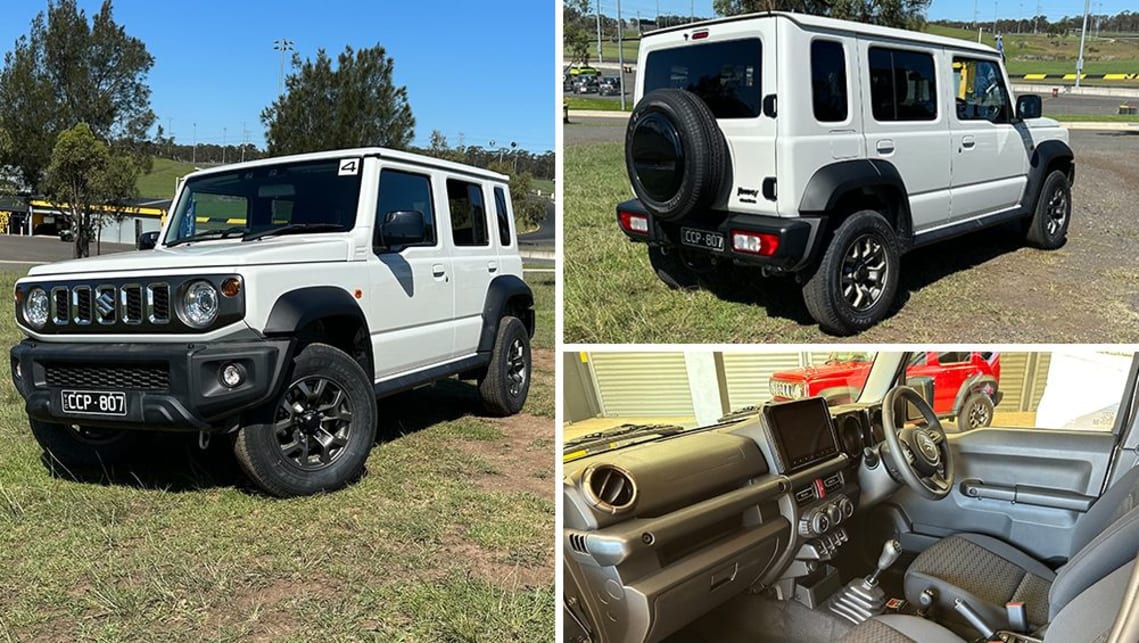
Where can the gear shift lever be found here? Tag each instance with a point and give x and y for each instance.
(862, 599)
(891, 552)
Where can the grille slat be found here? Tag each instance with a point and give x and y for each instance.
(108, 304)
(81, 304)
(159, 298)
(118, 377)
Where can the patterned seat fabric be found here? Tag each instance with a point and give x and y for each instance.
(875, 631)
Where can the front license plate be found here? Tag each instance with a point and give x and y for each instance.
(94, 402)
(702, 239)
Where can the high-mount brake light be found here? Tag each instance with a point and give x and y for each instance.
(700, 35)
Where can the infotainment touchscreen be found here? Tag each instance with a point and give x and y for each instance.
(802, 432)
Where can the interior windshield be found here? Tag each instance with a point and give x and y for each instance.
(318, 194)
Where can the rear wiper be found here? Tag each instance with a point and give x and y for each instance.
(293, 228)
(208, 234)
(624, 432)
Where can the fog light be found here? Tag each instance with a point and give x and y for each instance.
(636, 223)
(754, 243)
(232, 375)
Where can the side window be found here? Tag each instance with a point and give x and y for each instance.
(952, 358)
(980, 91)
(503, 217)
(903, 85)
(468, 213)
(828, 81)
(404, 191)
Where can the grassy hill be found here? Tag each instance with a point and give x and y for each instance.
(161, 180)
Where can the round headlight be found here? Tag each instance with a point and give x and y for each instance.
(199, 304)
(36, 308)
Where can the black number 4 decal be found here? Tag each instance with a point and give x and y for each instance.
(349, 166)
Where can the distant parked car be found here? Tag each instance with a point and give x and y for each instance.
(965, 385)
(609, 87)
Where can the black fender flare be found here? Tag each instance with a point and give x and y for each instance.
(830, 183)
(503, 289)
(1042, 158)
(968, 386)
(298, 308)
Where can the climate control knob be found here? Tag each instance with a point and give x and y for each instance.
(834, 513)
(847, 507)
(820, 523)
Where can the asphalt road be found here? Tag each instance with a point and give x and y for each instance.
(546, 232)
(19, 254)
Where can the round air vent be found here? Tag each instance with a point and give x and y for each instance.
(610, 488)
(850, 433)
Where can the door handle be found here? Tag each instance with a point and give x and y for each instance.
(492, 266)
(438, 271)
(885, 146)
(968, 142)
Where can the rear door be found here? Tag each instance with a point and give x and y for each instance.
(731, 66)
(505, 236)
(1027, 479)
(474, 256)
(905, 123)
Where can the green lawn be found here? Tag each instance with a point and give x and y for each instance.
(1095, 118)
(161, 180)
(545, 185)
(449, 536)
(600, 104)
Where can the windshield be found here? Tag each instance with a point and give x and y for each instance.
(724, 74)
(313, 196)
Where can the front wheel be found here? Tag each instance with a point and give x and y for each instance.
(854, 285)
(1048, 227)
(72, 446)
(318, 432)
(506, 384)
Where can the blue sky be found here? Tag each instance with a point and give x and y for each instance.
(483, 69)
(939, 9)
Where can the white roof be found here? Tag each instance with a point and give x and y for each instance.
(854, 28)
(381, 152)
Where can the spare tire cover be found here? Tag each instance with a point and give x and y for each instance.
(675, 154)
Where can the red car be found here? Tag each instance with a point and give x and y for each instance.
(965, 385)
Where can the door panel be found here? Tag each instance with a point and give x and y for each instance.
(475, 259)
(1074, 462)
(412, 293)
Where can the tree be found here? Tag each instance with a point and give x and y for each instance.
(907, 14)
(529, 209)
(355, 105)
(68, 70)
(84, 172)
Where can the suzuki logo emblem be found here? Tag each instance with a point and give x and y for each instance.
(105, 303)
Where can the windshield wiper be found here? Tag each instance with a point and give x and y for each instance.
(625, 432)
(293, 228)
(208, 234)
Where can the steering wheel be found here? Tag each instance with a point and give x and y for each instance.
(920, 455)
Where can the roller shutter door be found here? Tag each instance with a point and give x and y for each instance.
(642, 384)
(747, 374)
(1023, 376)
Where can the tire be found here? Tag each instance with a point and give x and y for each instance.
(976, 412)
(1048, 227)
(75, 447)
(507, 381)
(826, 292)
(284, 455)
(675, 154)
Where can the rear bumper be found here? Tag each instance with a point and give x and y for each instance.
(798, 236)
(167, 386)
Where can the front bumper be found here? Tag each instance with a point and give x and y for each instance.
(167, 386)
(797, 236)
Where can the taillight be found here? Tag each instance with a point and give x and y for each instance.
(633, 222)
(755, 243)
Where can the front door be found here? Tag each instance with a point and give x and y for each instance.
(412, 306)
(905, 123)
(989, 157)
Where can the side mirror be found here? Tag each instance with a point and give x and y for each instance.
(147, 240)
(1028, 106)
(924, 386)
(402, 228)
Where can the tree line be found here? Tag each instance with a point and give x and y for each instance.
(75, 115)
(1122, 22)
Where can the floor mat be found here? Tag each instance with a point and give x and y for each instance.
(762, 619)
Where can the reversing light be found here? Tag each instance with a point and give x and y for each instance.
(755, 243)
(632, 222)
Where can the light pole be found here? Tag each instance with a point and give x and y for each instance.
(620, 56)
(1083, 34)
(223, 133)
(194, 154)
(599, 32)
(282, 45)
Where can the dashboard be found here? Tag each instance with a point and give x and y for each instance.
(659, 533)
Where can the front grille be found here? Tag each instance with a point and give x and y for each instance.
(785, 389)
(105, 305)
(139, 377)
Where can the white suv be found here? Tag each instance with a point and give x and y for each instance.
(826, 149)
(280, 299)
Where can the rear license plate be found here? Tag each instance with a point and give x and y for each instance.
(702, 239)
(94, 402)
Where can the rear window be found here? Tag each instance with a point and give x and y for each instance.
(724, 74)
(828, 81)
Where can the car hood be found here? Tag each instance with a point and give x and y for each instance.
(842, 369)
(207, 254)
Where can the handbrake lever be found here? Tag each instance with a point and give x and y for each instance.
(971, 615)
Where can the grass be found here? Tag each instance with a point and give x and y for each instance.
(600, 104)
(447, 538)
(159, 183)
(1095, 118)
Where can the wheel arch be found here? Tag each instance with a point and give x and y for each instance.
(971, 385)
(839, 189)
(326, 314)
(506, 294)
(1047, 157)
